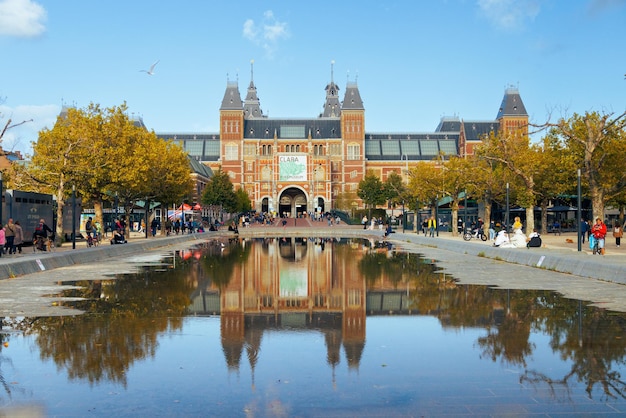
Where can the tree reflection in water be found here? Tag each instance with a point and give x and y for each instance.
(125, 316)
(123, 320)
(589, 337)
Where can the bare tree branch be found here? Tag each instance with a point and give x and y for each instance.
(9, 126)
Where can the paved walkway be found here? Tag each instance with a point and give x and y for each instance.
(557, 266)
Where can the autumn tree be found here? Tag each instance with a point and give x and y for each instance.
(598, 142)
(456, 172)
(555, 176)
(101, 153)
(423, 186)
(162, 176)
(395, 189)
(514, 151)
(55, 156)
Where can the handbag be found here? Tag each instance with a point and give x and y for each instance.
(592, 241)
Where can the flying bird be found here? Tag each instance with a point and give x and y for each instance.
(151, 70)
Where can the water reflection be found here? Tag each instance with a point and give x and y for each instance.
(328, 287)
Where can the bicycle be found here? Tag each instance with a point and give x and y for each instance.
(43, 244)
(476, 233)
(92, 241)
(596, 246)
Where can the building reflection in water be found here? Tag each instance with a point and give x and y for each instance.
(295, 283)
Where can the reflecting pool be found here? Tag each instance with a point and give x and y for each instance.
(311, 328)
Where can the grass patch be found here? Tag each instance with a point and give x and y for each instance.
(480, 254)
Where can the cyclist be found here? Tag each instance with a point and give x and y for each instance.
(89, 229)
(599, 233)
(42, 232)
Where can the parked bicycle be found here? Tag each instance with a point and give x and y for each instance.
(477, 233)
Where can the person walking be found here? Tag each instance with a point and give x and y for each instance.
(153, 226)
(584, 228)
(9, 233)
(19, 237)
(432, 225)
(617, 233)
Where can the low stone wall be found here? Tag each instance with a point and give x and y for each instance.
(564, 261)
(42, 261)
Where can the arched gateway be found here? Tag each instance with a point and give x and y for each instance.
(292, 202)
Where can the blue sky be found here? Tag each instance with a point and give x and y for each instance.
(414, 61)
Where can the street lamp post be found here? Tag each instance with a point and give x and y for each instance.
(579, 220)
(406, 169)
(73, 217)
(1, 198)
(437, 215)
(506, 219)
(464, 212)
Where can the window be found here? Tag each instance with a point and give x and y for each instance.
(292, 132)
(448, 147)
(372, 147)
(249, 149)
(390, 148)
(353, 174)
(194, 148)
(429, 148)
(232, 152)
(354, 152)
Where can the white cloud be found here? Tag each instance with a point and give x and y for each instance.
(20, 137)
(21, 18)
(509, 14)
(270, 32)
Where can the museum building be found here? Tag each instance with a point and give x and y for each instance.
(292, 166)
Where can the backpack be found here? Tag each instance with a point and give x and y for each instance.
(534, 242)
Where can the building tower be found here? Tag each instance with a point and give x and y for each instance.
(231, 133)
(353, 135)
(512, 114)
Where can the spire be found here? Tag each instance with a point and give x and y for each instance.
(252, 105)
(512, 104)
(332, 107)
